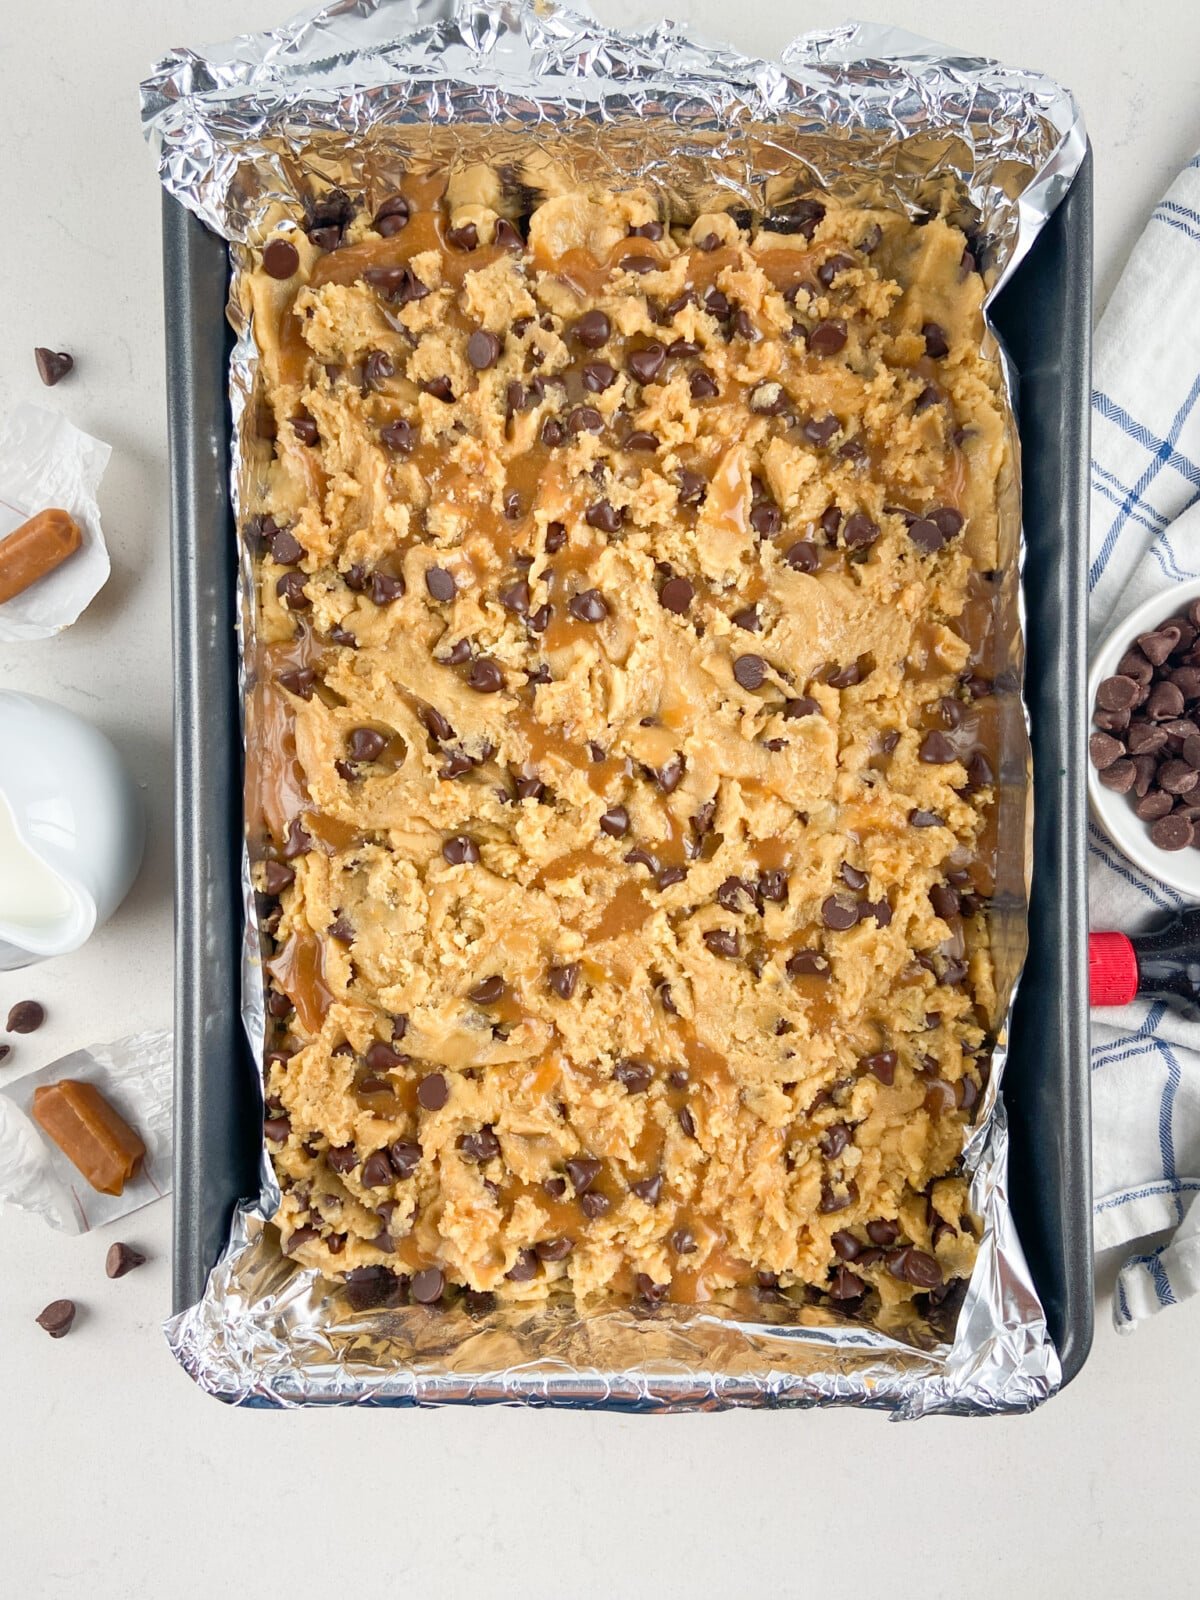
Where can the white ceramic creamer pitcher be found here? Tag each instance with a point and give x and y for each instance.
(72, 830)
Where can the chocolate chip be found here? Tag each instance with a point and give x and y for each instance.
(488, 991)
(883, 1232)
(440, 583)
(483, 349)
(485, 676)
(936, 749)
(648, 1189)
(1120, 694)
(53, 366)
(460, 850)
(562, 980)
(846, 1285)
(464, 237)
(589, 605)
(634, 1075)
(433, 1092)
(57, 1318)
(440, 388)
(859, 531)
(524, 1268)
(1119, 777)
(592, 330)
(280, 259)
(914, 1266)
(554, 1249)
(1104, 749)
(428, 1286)
(598, 376)
(1153, 805)
(924, 819)
(750, 671)
(799, 706)
(703, 385)
(852, 877)
(807, 964)
(820, 430)
(639, 264)
(26, 1016)
(305, 430)
(802, 556)
(827, 338)
(945, 901)
(839, 912)
(676, 595)
(385, 588)
(297, 841)
(594, 1204)
(882, 1065)
(583, 1172)
(377, 369)
(670, 775)
(506, 237)
(837, 1199)
(481, 1146)
(377, 1171)
(1165, 702)
(1157, 646)
(1173, 832)
(683, 1242)
(834, 1140)
(392, 216)
(937, 344)
(341, 1158)
(645, 364)
(832, 266)
(291, 591)
(669, 875)
(1176, 777)
(341, 930)
(722, 942)
(846, 1245)
(585, 419)
(640, 440)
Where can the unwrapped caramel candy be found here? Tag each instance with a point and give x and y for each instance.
(89, 1132)
(35, 549)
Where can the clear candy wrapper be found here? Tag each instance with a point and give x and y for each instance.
(134, 1075)
(46, 461)
(341, 98)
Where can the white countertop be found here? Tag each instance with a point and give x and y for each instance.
(117, 1478)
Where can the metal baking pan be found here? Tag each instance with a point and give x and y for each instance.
(1044, 316)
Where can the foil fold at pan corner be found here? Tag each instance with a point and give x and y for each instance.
(240, 128)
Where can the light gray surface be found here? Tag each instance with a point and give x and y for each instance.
(116, 1479)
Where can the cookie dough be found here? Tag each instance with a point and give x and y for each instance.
(622, 746)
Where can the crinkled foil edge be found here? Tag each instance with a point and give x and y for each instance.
(228, 126)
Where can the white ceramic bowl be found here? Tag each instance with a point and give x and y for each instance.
(77, 816)
(1114, 813)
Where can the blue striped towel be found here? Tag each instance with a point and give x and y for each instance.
(1146, 537)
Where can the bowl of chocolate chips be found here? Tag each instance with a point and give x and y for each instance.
(1144, 748)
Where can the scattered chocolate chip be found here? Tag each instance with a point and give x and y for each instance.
(670, 775)
(839, 912)
(827, 338)
(506, 237)
(433, 1092)
(562, 980)
(428, 1286)
(750, 671)
(615, 822)
(291, 591)
(488, 991)
(1104, 749)
(385, 588)
(392, 216)
(937, 344)
(485, 676)
(1119, 694)
(799, 706)
(524, 1268)
(464, 237)
(585, 419)
(914, 1266)
(481, 1146)
(589, 605)
(554, 1249)
(634, 1075)
(26, 1016)
(57, 1318)
(483, 349)
(598, 376)
(640, 440)
(296, 841)
(377, 1171)
(440, 583)
(936, 749)
(460, 850)
(439, 388)
(882, 1065)
(592, 330)
(722, 942)
(648, 1189)
(703, 385)
(676, 595)
(377, 369)
(583, 1172)
(53, 366)
(807, 964)
(859, 532)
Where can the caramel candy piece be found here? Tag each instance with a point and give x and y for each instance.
(35, 549)
(89, 1132)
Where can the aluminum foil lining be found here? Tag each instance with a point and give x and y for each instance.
(341, 96)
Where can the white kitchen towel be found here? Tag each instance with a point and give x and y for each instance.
(1145, 538)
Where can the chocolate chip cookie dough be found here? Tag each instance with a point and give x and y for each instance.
(622, 746)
